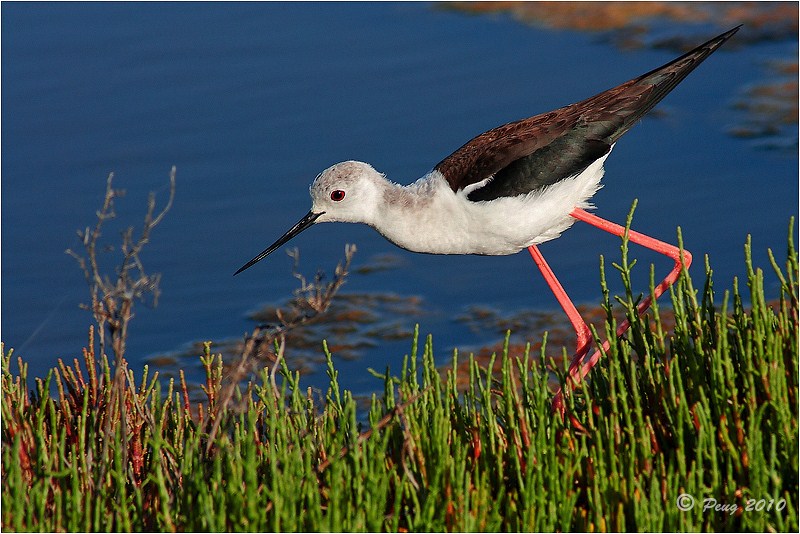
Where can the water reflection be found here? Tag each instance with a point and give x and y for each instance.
(352, 324)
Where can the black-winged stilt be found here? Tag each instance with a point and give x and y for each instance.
(510, 188)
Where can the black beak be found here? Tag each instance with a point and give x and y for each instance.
(301, 225)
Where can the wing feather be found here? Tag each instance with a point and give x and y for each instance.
(522, 156)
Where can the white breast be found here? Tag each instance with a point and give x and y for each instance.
(429, 217)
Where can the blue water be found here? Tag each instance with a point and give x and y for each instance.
(251, 101)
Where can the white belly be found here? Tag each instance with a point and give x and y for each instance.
(449, 223)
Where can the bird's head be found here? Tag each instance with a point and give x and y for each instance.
(346, 192)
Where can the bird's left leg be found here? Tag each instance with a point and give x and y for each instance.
(580, 366)
(582, 332)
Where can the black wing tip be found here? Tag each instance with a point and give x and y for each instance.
(454, 168)
(698, 54)
(666, 77)
(733, 30)
(721, 38)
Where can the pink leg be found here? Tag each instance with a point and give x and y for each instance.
(582, 331)
(579, 368)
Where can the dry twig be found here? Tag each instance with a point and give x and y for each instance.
(311, 300)
(112, 300)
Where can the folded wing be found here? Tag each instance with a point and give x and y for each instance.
(523, 156)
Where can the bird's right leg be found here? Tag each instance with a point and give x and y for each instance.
(582, 332)
(580, 365)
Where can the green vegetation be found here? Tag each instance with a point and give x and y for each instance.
(709, 410)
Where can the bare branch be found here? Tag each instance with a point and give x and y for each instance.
(112, 301)
(309, 303)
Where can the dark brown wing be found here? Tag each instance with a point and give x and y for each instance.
(531, 153)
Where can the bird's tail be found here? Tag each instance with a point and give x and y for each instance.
(633, 99)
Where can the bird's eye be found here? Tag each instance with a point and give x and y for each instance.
(337, 195)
